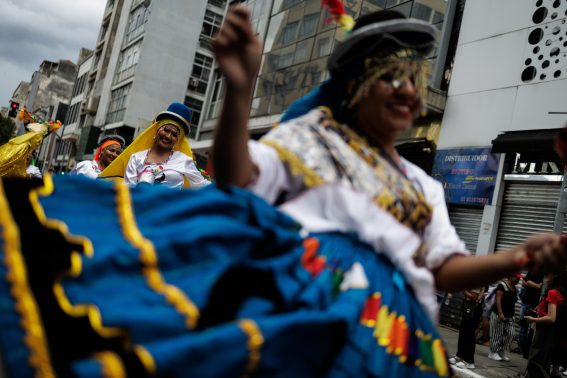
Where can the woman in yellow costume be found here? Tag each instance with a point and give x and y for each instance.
(14, 154)
(161, 154)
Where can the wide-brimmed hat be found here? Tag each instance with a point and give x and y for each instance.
(114, 137)
(382, 32)
(178, 112)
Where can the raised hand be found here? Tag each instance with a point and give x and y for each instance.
(545, 252)
(238, 49)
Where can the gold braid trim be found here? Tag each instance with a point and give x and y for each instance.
(149, 260)
(255, 342)
(75, 310)
(298, 168)
(112, 366)
(26, 306)
(146, 358)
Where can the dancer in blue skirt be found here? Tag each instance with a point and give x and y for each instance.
(331, 273)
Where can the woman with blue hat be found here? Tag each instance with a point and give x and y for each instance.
(160, 154)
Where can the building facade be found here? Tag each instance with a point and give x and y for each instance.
(298, 38)
(142, 63)
(148, 57)
(507, 94)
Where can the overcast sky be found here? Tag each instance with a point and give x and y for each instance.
(32, 31)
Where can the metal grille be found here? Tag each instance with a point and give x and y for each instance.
(467, 221)
(528, 208)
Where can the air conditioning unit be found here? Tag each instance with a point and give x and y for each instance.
(193, 83)
(92, 105)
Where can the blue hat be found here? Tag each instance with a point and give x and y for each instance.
(178, 112)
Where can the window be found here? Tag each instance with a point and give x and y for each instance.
(217, 97)
(127, 62)
(303, 51)
(421, 12)
(79, 86)
(73, 113)
(308, 25)
(138, 19)
(392, 3)
(218, 3)
(323, 46)
(289, 33)
(404, 8)
(379, 3)
(201, 72)
(196, 107)
(211, 24)
(117, 105)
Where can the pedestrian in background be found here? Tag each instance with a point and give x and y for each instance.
(548, 347)
(470, 316)
(502, 318)
(532, 286)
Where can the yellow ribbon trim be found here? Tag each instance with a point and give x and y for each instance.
(255, 342)
(298, 168)
(146, 358)
(149, 260)
(26, 306)
(111, 363)
(76, 310)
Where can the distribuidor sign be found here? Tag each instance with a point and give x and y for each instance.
(468, 175)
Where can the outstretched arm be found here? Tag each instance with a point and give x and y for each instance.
(238, 53)
(540, 252)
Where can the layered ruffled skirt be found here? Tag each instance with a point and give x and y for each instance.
(100, 280)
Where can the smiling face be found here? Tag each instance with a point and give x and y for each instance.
(390, 108)
(108, 155)
(167, 136)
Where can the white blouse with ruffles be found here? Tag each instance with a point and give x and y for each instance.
(338, 206)
(170, 173)
(87, 168)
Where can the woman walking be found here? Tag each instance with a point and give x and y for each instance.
(502, 319)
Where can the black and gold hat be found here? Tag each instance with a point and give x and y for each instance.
(380, 33)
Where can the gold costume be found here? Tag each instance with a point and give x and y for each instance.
(13, 155)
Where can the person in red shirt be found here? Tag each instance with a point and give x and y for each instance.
(547, 348)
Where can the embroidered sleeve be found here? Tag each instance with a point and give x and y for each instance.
(272, 179)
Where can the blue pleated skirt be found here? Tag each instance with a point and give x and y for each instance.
(205, 283)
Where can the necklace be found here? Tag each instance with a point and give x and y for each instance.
(146, 162)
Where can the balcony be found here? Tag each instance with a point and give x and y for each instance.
(206, 42)
(218, 3)
(436, 100)
(123, 75)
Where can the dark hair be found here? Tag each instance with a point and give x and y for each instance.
(559, 282)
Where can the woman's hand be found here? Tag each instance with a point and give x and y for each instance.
(501, 316)
(238, 50)
(542, 252)
(530, 319)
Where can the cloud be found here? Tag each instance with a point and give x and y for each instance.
(32, 31)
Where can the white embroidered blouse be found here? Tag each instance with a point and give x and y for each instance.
(328, 179)
(170, 173)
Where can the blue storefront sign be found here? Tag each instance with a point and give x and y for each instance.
(468, 175)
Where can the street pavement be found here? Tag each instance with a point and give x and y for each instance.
(485, 367)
